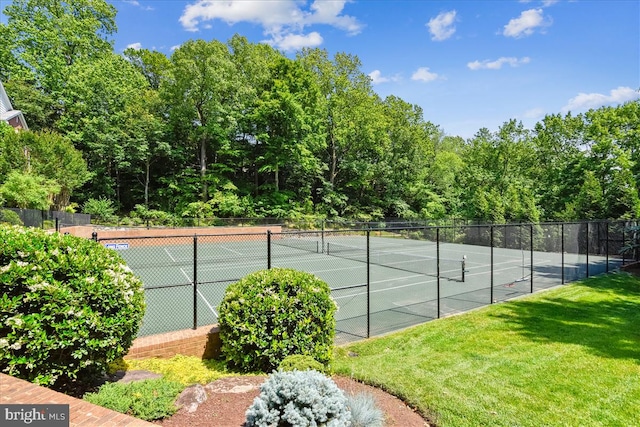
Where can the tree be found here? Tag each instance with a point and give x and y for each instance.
(28, 191)
(108, 119)
(43, 39)
(202, 95)
(47, 155)
(353, 125)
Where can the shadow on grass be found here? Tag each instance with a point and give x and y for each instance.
(606, 322)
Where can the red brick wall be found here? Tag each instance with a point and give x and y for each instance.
(203, 342)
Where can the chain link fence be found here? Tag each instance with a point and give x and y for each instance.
(382, 278)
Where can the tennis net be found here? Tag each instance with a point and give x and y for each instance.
(297, 243)
(449, 268)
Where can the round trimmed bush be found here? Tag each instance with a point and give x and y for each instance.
(300, 362)
(68, 307)
(271, 314)
(299, 398)
(10, 217)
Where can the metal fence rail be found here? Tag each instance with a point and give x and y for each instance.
(452, 268)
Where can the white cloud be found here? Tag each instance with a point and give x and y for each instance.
(377, 77)
(423, 74)
(586, 101)
(498, 63)
(282, 20)
(526, 24)
(174, 47)
(137, 4)
(135, 46)
(442, 26)
(290, 42)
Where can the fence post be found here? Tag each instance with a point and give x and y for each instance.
(624, 252)
(606, 244)
(368, 286)
(57, 224)
(195, 281)
(562, 249)
(587, 249)
(531, 255)
(491, 251)
(438, 270)
(268, 249)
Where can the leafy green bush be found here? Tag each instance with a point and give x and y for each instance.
(299, 398)
(68, 306)
(10, 217)
(300, 362)
(149, 400)
(101, 208)
(271, 314)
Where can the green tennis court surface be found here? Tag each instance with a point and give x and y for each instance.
(403, 286)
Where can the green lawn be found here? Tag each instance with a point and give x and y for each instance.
(565, 357)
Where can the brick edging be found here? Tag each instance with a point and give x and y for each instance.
(81, 413)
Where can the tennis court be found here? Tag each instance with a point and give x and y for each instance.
(397, 282)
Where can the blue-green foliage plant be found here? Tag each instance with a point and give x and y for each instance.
(68, 307)
(271, 314)
(301, 399)
(364, 412)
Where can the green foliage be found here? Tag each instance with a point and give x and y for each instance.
(68, 306)
(300, 362)
(153, 216)
(299, 398)
(27, 191)
(101, 208)
(47, 155)
(10, 217)
(364, 412)
(186, 370)
(5, 129)
(149, 400)
(271, 314)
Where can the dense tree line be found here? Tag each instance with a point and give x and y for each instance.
(240, 129)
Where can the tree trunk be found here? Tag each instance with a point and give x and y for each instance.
(203, 169)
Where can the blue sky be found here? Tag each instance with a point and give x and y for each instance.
(468, 64)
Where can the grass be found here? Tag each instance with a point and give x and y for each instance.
(565, 357)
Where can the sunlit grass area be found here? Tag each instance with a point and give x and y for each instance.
(565, 357)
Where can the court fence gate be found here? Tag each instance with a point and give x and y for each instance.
(383, 279)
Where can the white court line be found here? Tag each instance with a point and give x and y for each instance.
(208, 305)
(501, 269)
(231, 250)
(185, 274)
(168, 253)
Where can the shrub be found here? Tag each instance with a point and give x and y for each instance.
(299, 398)
(102, 209)
(149, 400)
(364, 412)
(271, 314)
(300, 362)
(10, 217)
(68, 306)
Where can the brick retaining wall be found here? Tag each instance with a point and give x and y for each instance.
(203, 342)
(81, 413)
